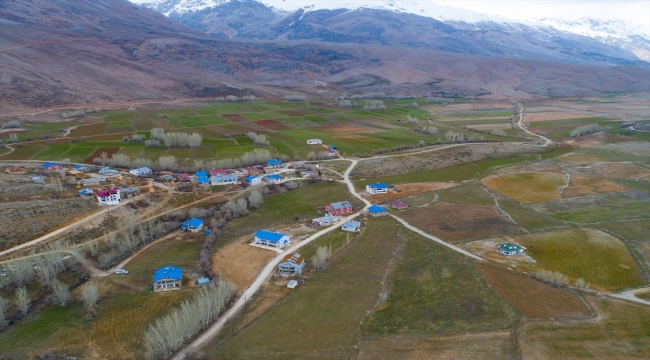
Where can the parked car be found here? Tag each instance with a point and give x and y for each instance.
(121, 272)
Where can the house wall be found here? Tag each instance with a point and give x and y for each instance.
(166, 285)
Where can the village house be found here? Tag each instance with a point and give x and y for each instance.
(377, 188)
(333, 147)
(339, 208)
(292, 264)
(351, 226)
(94, 181)
(224, 180)
(86, 193)
(314, 142)
(377, 210)
(215, 172)
(270, 238)
(51, 166)
(192, 225)
(253, 180)
(141, 171)
(508, 249)
(15, 170)
(329, 153)
(167, 278)
(79, 167)
(76, 174)
(184, 177)
(130, 191)
(325, 220)
(109, 197)
(202, 178)
(397, 204)
(253, 170)
(273, 179)
(108, 171)
(275, 164)
(202, 281)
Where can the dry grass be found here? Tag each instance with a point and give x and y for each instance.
(553, 116)
(532, 298)
(583, 141)
(457, 222)
(358, 139)
(235, 117)
(622, 171)
(240, 263)
(585, 185)
(110, 151)
(580, 159)
(411, 189)
(488, 345)
(527, 187)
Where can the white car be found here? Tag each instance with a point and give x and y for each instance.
(121, 272)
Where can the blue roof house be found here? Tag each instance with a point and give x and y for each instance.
(79, 167)
(202, 178)
(333, 147)
(351, 226)
(108, 171)
(192, 225)
(275, 163)
(253, 180)
(377, 210)
(167, 278)
(272, 179)
(88, 192)
(272, 239)
(52, 166)
(377, 188)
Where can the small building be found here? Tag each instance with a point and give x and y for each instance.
(79, 167)
(314, 142)
(86, 193)
(351, 226)
(508, 249)
(215, 172)
(339, 208)
(253, 180)
(273, 179)
(292, 264)
(93, 181)
(15, 170)
(377, 210)
(377, 188)
(270, 238)
(167, 278)
(192, 225)
(397, 204)
(325, 220)
(184, 177)
(291, 185)
(109, 197)
(108, 171)
(50, 166)
(275, 163)
(202, 178)
(224, 180)
(130, 191)
(253, 170)
(333, 147)
(202, 281)
(141, 171)
(292, 284)
(308, 173)
(38, 179)
(329, 153)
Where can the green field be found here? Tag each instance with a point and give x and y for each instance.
(608, 207)
(471, 194)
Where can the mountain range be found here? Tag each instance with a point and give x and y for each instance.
(75, 52)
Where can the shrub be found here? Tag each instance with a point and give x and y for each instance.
(11, 125)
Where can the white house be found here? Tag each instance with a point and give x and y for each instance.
(510, 249)
(108, 171)
(292, 264)
(223, 179)
(167, 278)
(109, 197)
(141, 171)
(377, 188)
(314, 142)
(270, 238)
(325, 220)
(273, 179)
(253, 180)
(351, 226)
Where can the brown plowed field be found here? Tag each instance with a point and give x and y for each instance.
(623, 171)
(349, 129)
(585, 185)
(491, 345)
(459, 222)
(271, 124)
(527, 187)
(532, 298)
(234, 118)
(88, 130)
(108, 150)
(161, 123)
(410, 190)
(241, 263)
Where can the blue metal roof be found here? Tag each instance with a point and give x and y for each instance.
(273, 177)
(376, 209)
(48, 164)
(378, 186)
(85, 191)
(201, 174)
(274, 162)
(269, 235)
(333, 147)
(168, 272)
(352, 224)
(77, 167)
(193, 222)
(341, 205)
(250, 178)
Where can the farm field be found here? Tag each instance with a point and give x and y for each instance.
(584, 185)
(527, 187)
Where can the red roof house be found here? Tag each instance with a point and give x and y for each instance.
(398, 205)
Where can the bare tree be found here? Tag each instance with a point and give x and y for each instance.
(319, 259)
(255, 198)
(22, 300)
(61, 292)
(90, 295)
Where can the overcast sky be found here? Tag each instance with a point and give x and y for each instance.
(637, 11)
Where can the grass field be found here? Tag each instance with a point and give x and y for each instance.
(321, 317)
(594, 209)
(526, 218)
(471, 194)
(434, 290)
(532, 298)
(527, 187)
(623, 332)
(600, 259)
